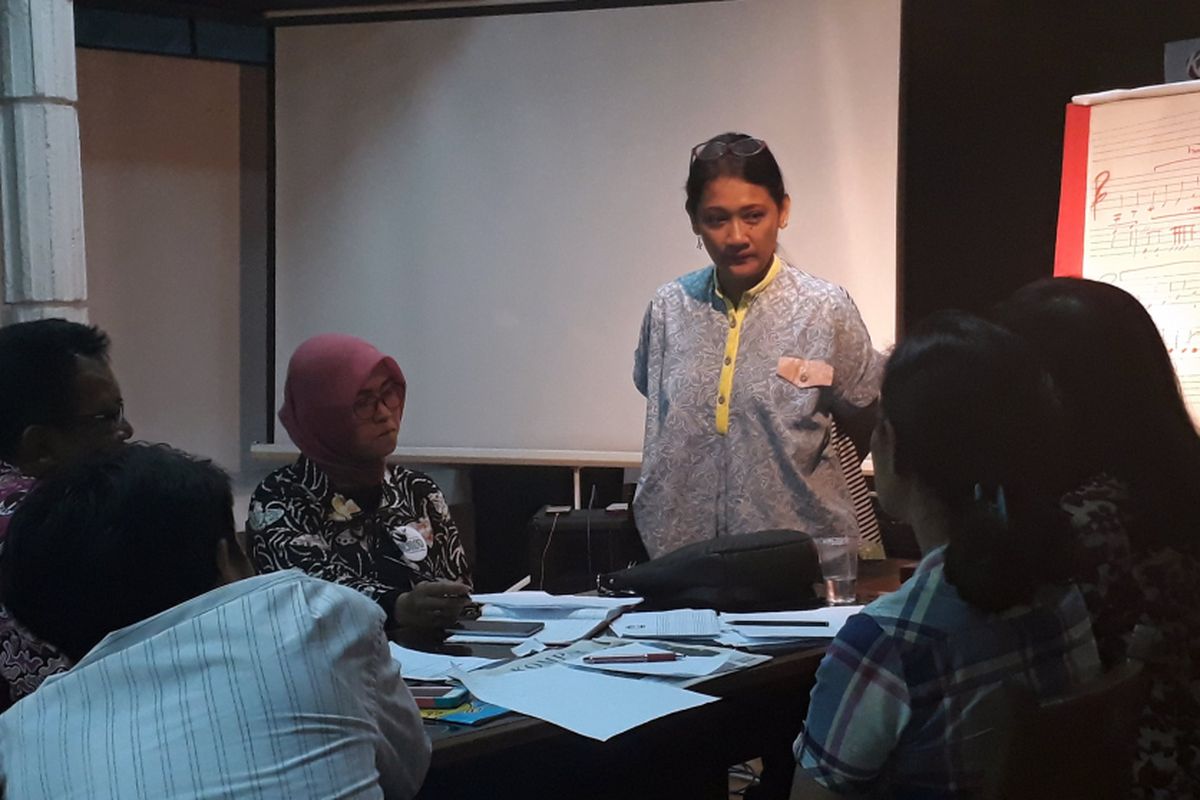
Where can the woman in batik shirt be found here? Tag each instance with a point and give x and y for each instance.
(340, 512)
(745, 366)
(1134, 505)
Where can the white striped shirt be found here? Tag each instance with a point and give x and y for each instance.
(275, 686)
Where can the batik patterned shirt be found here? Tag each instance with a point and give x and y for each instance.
(298, 520)
(1127, 585)
(739, 401)
(25, 660)
(905, 694)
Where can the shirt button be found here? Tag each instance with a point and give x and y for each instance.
(728, 361)
(804, 377)
(721, 400)
(733, 322)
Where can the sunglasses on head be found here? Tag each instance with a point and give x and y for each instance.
(714, 149)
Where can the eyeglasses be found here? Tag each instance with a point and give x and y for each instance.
(365, 404)
(112, 419)
(714, 149)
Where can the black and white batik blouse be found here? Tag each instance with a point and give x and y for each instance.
(299, 521)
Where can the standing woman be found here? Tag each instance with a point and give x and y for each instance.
(340, 512)
(745, 365)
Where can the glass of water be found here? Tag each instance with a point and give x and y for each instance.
(839, 568)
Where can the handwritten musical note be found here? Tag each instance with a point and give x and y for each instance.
(1144, 176)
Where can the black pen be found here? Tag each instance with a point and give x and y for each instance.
(781, 623)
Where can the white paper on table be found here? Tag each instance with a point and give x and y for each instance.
(546, 658)
(737, 660)
(528, 648)
(686, 667)
(423, 666)
(681, 623)
(589, 703)
(541, 600)
(553, 632)
(832, 617)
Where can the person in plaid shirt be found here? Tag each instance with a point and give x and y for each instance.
(904, 698)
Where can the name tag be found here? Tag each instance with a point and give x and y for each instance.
(805, 373)
(411, 543)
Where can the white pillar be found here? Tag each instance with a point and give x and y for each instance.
(41, 195)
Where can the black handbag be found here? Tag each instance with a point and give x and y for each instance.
(764, 571)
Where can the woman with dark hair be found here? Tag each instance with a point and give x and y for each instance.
(1134, 468)
(963, 453)
(340, 512)
(745, 366)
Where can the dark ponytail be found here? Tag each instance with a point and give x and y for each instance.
(977, 423)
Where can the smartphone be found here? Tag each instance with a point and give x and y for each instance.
(489, 627)
(439, 696)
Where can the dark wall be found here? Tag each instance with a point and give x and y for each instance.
(983, 86)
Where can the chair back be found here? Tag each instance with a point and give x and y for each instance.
(1077, 746)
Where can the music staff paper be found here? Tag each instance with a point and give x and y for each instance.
(1142, 226)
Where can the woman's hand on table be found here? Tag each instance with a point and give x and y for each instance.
(430, 605)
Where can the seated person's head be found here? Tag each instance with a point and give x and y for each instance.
(965, 448)
(59, 401)
(342, 405)
(1126, 416)
(1119, 389)
(113, 541)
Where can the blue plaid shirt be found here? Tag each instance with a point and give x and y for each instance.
(905, 694)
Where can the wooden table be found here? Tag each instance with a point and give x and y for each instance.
(685, 755)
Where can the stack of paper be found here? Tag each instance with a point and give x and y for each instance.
(737, 630)
(566, 618)
(421, 666)
(762, 627)
(683, 623)
(589, 703)
(626, 660)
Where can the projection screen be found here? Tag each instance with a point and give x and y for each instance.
(493, 200)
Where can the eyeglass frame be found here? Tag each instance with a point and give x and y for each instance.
(727, 148)
(111, 419)
(370, 403)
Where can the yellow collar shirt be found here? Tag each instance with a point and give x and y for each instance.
(738, 406)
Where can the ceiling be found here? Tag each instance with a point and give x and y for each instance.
(260, 10)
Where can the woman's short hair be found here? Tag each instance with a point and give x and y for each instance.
(1126, 415)
(114, 541)
(760, 169)
(37, 374)
(977, 422)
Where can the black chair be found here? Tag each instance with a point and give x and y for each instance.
(1077, 746)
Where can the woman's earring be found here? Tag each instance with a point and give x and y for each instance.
(699, 243)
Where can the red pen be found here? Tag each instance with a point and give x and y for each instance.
(639, 659)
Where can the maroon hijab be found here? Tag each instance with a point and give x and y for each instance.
(324, 376)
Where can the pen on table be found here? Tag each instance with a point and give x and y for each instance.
(782, 623)
(643, 658)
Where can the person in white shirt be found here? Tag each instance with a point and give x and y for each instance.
(193, 678)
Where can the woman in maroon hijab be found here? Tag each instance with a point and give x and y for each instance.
(340, 512)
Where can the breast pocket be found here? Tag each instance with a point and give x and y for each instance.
(801, 388)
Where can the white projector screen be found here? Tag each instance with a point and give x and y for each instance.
(493, 200)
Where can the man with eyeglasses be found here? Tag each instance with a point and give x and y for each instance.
(59, 404)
